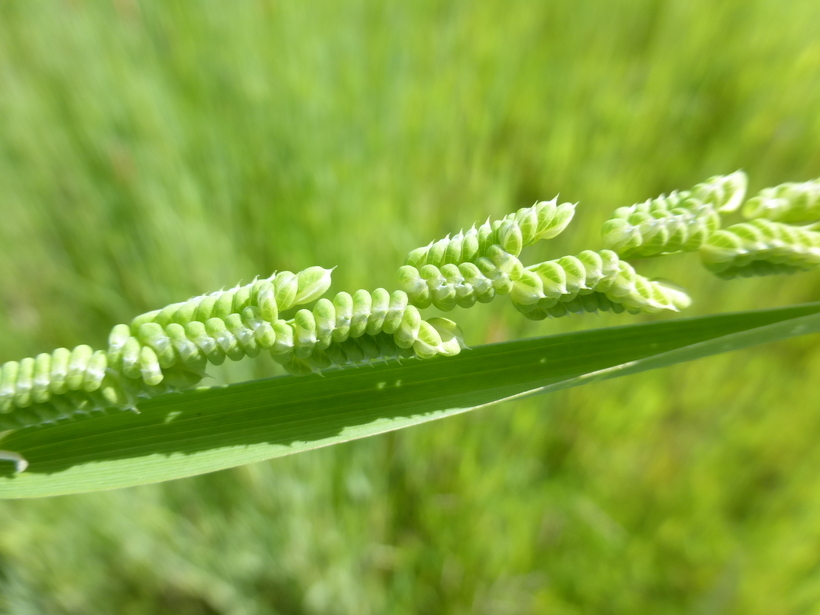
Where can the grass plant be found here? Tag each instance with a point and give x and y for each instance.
(151, 152)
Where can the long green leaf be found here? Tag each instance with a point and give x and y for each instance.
(200, 431)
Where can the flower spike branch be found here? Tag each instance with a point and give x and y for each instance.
(680, 222)
(592, 282)
(169, 349)
(788, 202)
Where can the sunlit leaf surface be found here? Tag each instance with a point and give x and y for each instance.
(210, 429)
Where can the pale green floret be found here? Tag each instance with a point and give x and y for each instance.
(179, 313)
(408, 331)
(226, 343)
(198, 334)
(59, 371)
(575, 274)
(40, 392)
(442, 284)
(437, 250)
(454, 247)
(94, 373)
(262, 329)
(414, 285)
(153, 335)
(378, 311)
(509, 237)
(557, 225)
(637, 292)
(395, 311)
(528, 290)
(224, 305)
(243, 335)
(429, 342)
(477, 285)
(189, 353)
(553, 281)
(282, 349)
(116, 342)
(312, 282)
(267, 304)
(505, 262)
(621, 235)
(597, 265)
(450, 335)
(324, 315)
(790, 202)
(343, 306)
(149, 366)
(677, 298)
(77, 366)
(724, 192)
(362, 302)
(500, 281)
(131, 358)
(285, 288)
(203, 309)
(304, 334)
(22, 391)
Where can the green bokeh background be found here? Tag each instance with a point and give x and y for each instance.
(150, 151)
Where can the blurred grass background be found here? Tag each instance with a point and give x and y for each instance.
(151, 151)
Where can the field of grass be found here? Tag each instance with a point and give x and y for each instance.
(151, 151)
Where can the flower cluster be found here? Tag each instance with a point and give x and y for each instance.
(288, 316)
(591, 282)
(761, 247)
(790, 202)
(169, 349)
(512, 233)
(679, 222)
